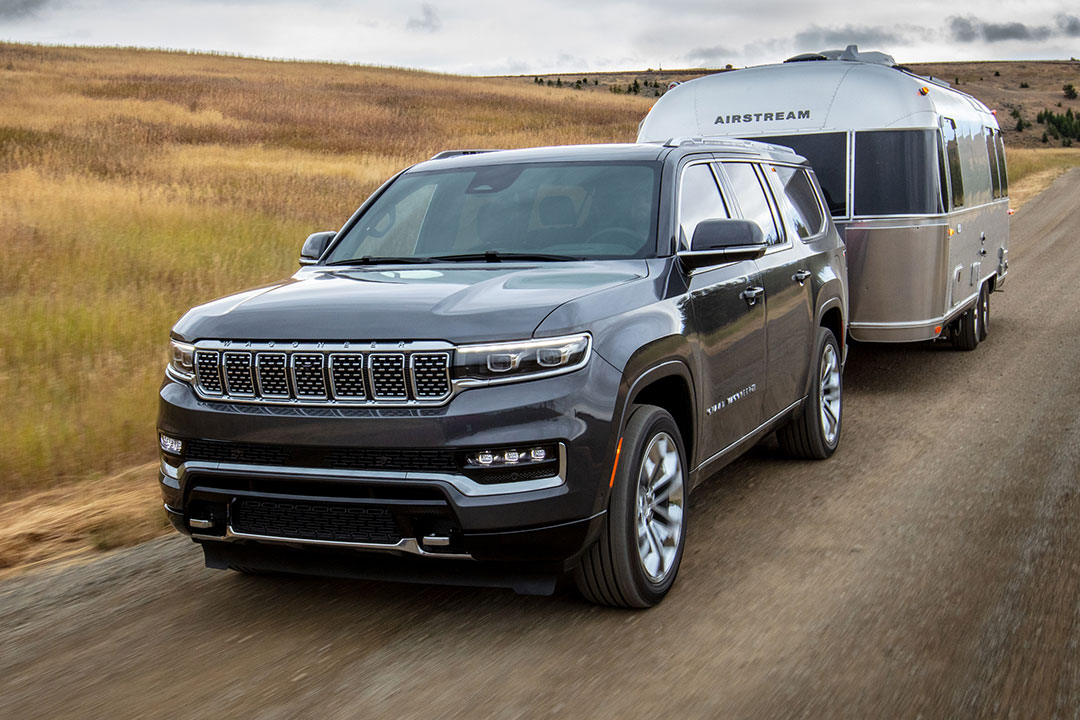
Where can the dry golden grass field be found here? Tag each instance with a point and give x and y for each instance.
(135, 184)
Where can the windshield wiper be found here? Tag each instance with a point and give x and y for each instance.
(496, 256)
(380, 260)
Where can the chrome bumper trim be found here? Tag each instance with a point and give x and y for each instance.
(407, 546)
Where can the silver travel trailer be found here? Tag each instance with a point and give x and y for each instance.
(913, 172)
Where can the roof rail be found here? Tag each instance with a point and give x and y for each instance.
(456, 153)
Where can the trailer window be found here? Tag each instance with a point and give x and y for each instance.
(753, 199)
(952, 154)
(1004, 171)
(800, 201)
(827, 153)
(991, 151)
(896, 173)
(699, 199)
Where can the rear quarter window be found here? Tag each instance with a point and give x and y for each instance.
(753, 199)
(800, 201)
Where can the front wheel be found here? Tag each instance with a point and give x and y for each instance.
(635, 560)
(814, 432)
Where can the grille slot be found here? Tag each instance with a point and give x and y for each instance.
(347, 376)
(337, 458)
(315, 521)
(207, 371)
(251, 453)
(431, 375)
(238, 378)
(388, 376)
(273, 375)
(308, 375)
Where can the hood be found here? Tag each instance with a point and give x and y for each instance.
(460, 304)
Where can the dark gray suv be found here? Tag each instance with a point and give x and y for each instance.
(512, 366)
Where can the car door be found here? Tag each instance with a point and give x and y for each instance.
(728, 323)
(786, 276)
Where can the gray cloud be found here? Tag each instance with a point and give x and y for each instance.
(971, 29)
(15, 9)
(428, 21)
(1069, 24)
(816, 37)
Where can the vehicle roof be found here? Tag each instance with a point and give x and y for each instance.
(839, 95)
(642, 152)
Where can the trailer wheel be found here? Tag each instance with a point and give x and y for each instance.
(814, 432)
(966, 331)
(984, 312)
(636, 558)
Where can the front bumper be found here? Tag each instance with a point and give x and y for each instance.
(442, 515)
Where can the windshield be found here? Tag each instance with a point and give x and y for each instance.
(557, 210)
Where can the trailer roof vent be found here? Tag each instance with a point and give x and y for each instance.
(851, 54)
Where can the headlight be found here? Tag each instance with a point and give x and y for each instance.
(523, 360)
(182, 362)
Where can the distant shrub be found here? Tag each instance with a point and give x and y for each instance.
(1066, 124)
(1024, 85)
(1070, 91)
(997, 74)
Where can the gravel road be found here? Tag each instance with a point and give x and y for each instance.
(931, 568)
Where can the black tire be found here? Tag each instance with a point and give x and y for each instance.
(613, 571)
(984, 312)
(806, 435)
(966, 331)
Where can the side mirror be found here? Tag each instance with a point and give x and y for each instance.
(315, 246)
(722, 241)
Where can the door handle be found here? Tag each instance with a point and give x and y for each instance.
(801, 276)
(750, 294)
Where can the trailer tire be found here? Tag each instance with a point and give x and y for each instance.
(984, 312)
(806, 435)
(966, 330)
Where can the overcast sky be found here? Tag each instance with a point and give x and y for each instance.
(507, 37)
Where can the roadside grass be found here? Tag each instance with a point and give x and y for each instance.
(1032, 170)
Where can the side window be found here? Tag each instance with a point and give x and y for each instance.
(991, 150)
(800, 201)
(699, 199)
(952, 156)
(753, 200)
(1001, 164)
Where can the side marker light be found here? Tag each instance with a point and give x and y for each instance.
(615, 467)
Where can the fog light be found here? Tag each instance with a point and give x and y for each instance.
(517, 457)
(171, 445)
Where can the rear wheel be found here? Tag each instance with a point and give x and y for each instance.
(636, 558)
(814, 432)
(984, 312)
(967, 330)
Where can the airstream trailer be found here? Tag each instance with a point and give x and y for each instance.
(913, 172)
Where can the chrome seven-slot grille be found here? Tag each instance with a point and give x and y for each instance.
(322, 375)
